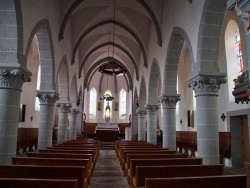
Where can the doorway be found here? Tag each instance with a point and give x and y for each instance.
(239, 140)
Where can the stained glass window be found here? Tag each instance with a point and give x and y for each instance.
(123, 101)
(239, 52)
(92, 102)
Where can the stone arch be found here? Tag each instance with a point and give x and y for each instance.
(63, 80)
(152, 98)
(143, 94)
(12, 33)
(46, 53)
(95, 66)
(119, 24)
(73, 92)
(208, 42)
(106, 44)
(177, 38)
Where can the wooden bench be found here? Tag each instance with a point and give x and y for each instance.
(225, 181)
(55, 162)
(159, 151)
(143, 172)
(159, 162)
(151, 156)
(45, 172)
(62, 155)
(96, 150)
(37, 183)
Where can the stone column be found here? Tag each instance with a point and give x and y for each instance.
(11, 82)
(141, 125)
(72, 123)
(169, 120)
(151, 123)
(46, 122)
(134, 126)
(206, 88)
(63, 122)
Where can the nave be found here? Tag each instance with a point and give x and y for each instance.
(91, 163)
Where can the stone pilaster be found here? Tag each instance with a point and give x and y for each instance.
(79, 124)
(152, 123)
(46, 122)
(169, 120)
(72, 123)
(11, 81)
(63, 122)
(134, 126)
(141, 124)
(206, 88)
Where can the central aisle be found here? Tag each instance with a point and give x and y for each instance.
(107, 172)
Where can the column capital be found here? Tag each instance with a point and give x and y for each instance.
(207, 84)
(151, 109)
(169, 101)
(141, 112)
(13, 77)
(73, 111)
(64, 107)
(47, 97)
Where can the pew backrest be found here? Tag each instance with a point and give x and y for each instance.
(37, 183)
(44, 172)
(225, 181)
(143, 172)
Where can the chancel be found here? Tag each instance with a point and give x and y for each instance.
(124, 93)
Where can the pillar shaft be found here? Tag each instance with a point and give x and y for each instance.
(169, 121)
(11, 81)
(72, 123)
(152, 123)
(141, 125)
(63, 122)
(47, 106)
(206, 89)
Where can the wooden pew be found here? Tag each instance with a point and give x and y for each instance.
(159, 151)
(225, 181)
(143, 172)
(130, 173)
(45, 172)
(37, 183)
(151, 156)
(54, 162)
(62, 155)
(96, 150)
(121, 149)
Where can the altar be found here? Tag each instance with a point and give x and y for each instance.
(107, 133)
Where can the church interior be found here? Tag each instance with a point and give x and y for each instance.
(124, 93)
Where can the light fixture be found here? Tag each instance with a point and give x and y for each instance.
(111, 68)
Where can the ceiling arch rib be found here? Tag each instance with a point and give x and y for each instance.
(66, 18)
(142, 2)
(154, 20)
(106, 44)
(95, 66)
(117, 24)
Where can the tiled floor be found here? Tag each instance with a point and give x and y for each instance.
(107, 172)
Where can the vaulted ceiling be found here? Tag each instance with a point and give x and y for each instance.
(111, 28)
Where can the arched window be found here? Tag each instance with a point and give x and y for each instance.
(107, 105)
(233, 47)
(239, 51)
(37, 104)
(92, 102)
(122, 102)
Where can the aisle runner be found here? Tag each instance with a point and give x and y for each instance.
(107, 173)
